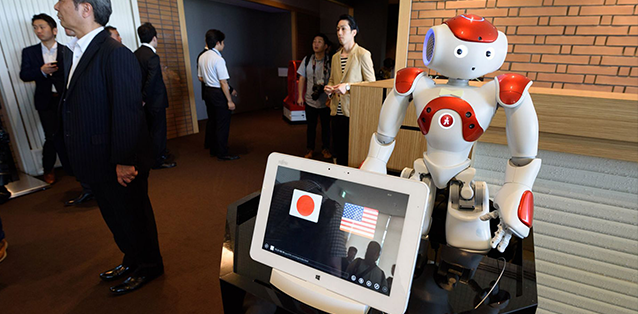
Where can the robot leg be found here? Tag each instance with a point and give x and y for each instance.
(420, 173)
(468, 201)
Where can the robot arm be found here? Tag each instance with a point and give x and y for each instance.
(514, 201)
(390, 119)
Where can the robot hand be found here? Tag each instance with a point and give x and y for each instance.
(374, 165)
(514, 206)
(514, 203)
(378, 156)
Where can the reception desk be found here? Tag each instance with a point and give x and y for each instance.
(572, 121)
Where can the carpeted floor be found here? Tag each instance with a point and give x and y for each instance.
(56, 253)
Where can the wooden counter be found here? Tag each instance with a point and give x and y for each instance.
(578, 122)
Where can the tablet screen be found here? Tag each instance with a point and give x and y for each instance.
(349, 230)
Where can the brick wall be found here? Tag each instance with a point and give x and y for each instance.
(570, 44)
(164, 16)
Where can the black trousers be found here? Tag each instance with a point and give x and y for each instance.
(340, 138)
(156, 120)
(48, 118)
(1, 231)
(64, 159)
(312, 114)
(128, 213)
(218, 124)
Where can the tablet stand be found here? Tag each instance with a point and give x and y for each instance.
(314, 295)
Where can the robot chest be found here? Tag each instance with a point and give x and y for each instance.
(448, 112)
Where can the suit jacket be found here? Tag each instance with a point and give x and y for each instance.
(153, 89)
(359, 68)
(103, 121)
(32, 61)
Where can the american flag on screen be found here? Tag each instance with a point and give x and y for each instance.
(359, 220)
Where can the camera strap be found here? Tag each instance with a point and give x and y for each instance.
(326, 67)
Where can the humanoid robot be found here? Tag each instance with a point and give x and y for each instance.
(452, 117)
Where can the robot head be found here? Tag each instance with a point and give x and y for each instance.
(464, 47)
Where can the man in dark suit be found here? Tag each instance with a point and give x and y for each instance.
(86, 194)
(154, 93)
(41, 63)
(107, 141)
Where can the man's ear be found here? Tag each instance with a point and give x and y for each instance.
(354, 33)
(55, 32)
(86, 9)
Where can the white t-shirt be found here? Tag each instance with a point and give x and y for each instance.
(212, 68)
(316, 73)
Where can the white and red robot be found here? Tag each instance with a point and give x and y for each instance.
(452, 117)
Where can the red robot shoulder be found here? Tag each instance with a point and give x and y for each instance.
(406, 79)
(511, 89)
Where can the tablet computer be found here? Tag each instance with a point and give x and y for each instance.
(352, 232)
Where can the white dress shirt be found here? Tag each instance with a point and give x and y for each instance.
(212, 68)
(50, 55)
(80, 48)
(149, 45)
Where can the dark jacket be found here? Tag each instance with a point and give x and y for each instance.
(30, 71)
(153, 89)
(103, 122)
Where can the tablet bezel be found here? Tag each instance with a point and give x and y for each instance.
(417, 193)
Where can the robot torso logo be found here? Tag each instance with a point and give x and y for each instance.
(446, 121)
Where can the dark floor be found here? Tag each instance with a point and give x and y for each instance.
(56, 253)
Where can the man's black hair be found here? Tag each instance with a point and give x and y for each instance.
(325, 38)
(46, 18)
(110, 28)
(351, 22)
(214, 36)
(146, 32)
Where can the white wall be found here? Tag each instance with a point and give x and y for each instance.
(585, 229)
(16, 33)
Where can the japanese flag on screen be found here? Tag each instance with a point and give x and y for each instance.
(305, 205)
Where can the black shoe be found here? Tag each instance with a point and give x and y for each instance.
(165, 165)
(118, 272)
(84, 197)
(167, 157)
(136, 281)
(228, 157)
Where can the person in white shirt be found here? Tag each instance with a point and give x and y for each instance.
(314, 73)
(212, 70)
(41, 63)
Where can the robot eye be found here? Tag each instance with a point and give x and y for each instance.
(489, 53)
(460, 51)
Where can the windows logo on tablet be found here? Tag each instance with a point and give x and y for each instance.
(305, 205)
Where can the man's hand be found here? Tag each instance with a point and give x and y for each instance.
(328, 89)
(231, 105)
(234, 93)
(300, 101)
(49, 68)
(125, 174)
(340, 88)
